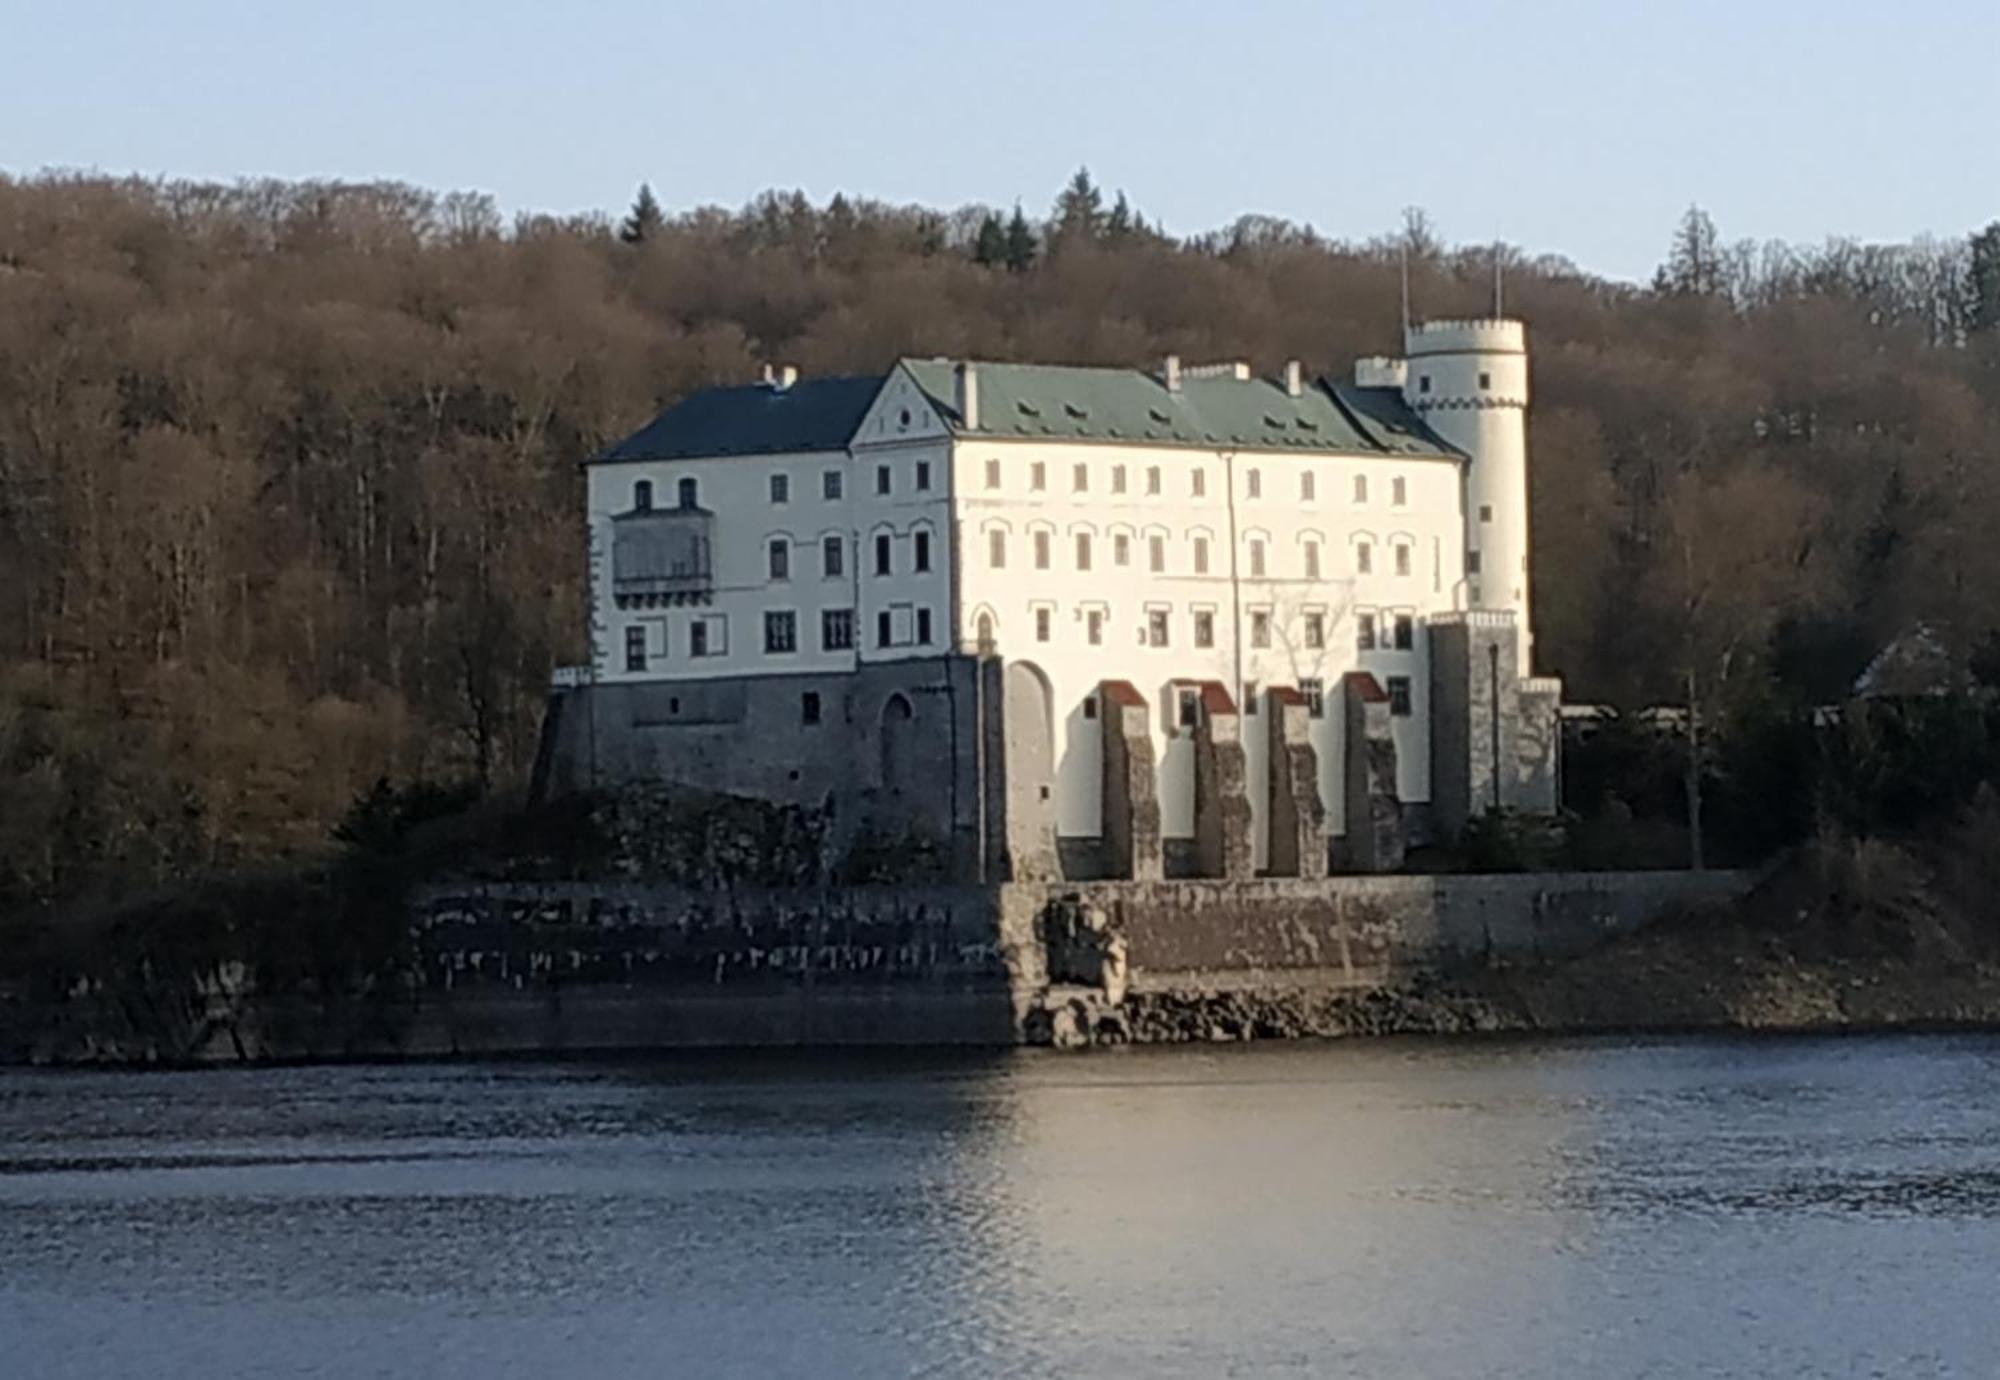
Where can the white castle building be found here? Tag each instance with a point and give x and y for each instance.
(1076, 621)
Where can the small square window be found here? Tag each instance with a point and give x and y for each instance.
(635, 648)
(836, 630)
(1486, 512)
(781, 488)
(830, 484)
(1364, 632)
(1260, 629)
(1399, 696)
(809, 707)
(1315, 631)
(1042, 622)
(698, 637)
(1156, 627)
(1485, 382)
(881, 479)
(1423, 383)
(1313, 690)
(781, 632)
(1093, 627)
(1472, 562)
(780, 559)
(1204, 628)
(923, 474)
(992, 474)
(1403, 632)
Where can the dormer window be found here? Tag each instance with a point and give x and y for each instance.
(642, 496)
(689, 494)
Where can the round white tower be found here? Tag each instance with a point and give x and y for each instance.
(1469, 381)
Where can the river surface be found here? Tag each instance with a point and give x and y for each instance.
(1685, 1207)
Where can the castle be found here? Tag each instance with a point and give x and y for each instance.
(1077, 623)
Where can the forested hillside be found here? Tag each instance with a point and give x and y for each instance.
(289, 484)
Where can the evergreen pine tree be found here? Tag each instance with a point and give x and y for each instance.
(990, 249)
(1021, 246)
(1983, 282)
(1079, 211)
(1119, 224)
(645, 219)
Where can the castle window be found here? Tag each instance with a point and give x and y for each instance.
(923, 474)
(1260, 628)
(1257, 558)
(1041, 550)
(921, 555)
(1156, 627)
(1121, 549)
(1093, 627)
(1156, 553)
(832, 556)
(1253, 484)
(689, 493)
(924, 627)
(1364, 632)
(1312, 560)
(1079, 478)
(708, 635)
(1042, 621)
(1152, 479)
(1117, 479)
(829, 485)
(1083, 550)
(1423, 383)
(1198, 482)
(809, 707)
(1472, 562)
(1399, 696)
(1399, 491)
(780, 558)
(1364, 558)
(882, 554)
(1485, 382)
(882, 628)
(1486, 512)
(1360, 488)
(992, 474)
(1201, 555)
(635, 648)
(996, 549)
(1307, 487)
(781, 633)
(1204, 628)
(1314, 691)
(1315, 631)
(1403, 632)
(642, 496)
(1402, 558)
(781, 488)
(836, 630)
(1038, 476)
(1189, 704)
(881, 479)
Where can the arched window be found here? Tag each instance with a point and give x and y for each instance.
(642, 496)
(689, 493)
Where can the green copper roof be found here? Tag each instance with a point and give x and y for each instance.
(1053, 402)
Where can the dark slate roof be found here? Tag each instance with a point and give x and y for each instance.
(812, 414)
(1210, 409)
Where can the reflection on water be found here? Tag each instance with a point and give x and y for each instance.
(1673, 1208)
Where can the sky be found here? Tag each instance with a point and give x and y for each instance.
(1583, 129)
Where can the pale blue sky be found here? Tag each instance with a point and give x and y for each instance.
(1564, 126)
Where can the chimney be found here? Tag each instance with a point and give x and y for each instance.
(965, 380)
(1173, 373)
(1294, 378)
(787, 376)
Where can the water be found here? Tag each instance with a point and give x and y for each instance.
(1663, 1208)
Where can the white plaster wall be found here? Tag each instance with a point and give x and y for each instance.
(1427, 521)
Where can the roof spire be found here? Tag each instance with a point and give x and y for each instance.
(1498, 314)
